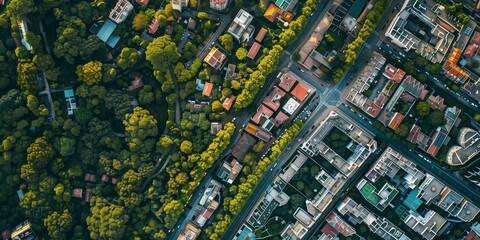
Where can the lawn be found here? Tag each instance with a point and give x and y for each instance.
(338, 141)
(304, 180)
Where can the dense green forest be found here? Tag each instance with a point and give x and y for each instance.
(123, 155)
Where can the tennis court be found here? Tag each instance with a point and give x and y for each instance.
(367, 192)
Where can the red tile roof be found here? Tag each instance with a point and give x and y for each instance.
(471, 50)
(272, 100)
(104, 178)
(301, 91)
(436, 102)
(261, 34)
(407, 98)
(287, 81)
(153, 26)
(399, 76)
(77, 193)
(390, 71)
(433, 150)
(279, 119)
(472, 236)
(476, 38)
(252, 53)
(207, 89)
(263, 112)
(396, 121)
(329, 230)
(412, 136)
(227, 104)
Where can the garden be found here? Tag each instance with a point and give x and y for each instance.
(338, 141)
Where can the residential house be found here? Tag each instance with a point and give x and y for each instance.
(280, 119)
(273, 99)
(215, 127)
(241, 148)
(272, 12)
(340, 225)
(88, 195)
(219, 4)
(207, 89)
(70, 99)
(208, 203)
(77, 193)
(441, 135)
(192, 24)
(228, 102)
(262, 115)
(121, 11)
(153, 26)
(105, 33)
(179, 4)
(396, 121)
(190, 232)
(393, 73)
(436, 102)
(228, 172)
(23, 231)
(215, 58)
(252, 53)
(473, 47)
(260, 132)
(89, 178)
(287, 80)
(452, 70)
(240, 27)
(135, 83)
(301, 91)
(231, 74)
(261, 34)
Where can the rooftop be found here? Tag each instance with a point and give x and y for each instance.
(261, 34)
(241, 148)
(273, 99)
(215, 58)
(207, 89)
(301, 91)
(287, 80)
(228, 102)
(252, 53)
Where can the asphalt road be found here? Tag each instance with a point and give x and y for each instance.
(330, 97)
(451, 180)
(460, 96)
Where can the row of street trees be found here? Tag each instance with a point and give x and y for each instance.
(232, 206)
(367, 29)
(268, 64)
